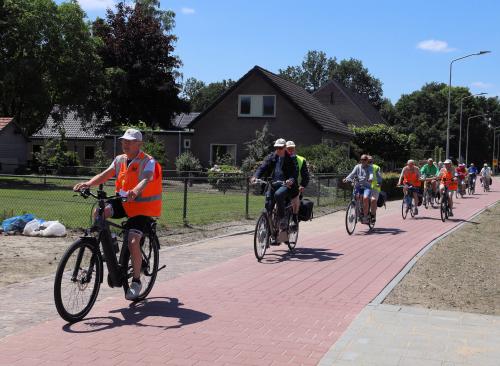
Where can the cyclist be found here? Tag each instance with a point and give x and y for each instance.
(472, 172)
(410, 178)
(303, 178)
(280, 166)
(461, 171)
(485, 175)
(138, 178)
(375, 187)
(430, 170)
(449, 179)
(363, 173)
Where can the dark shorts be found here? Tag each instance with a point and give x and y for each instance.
(140, 223)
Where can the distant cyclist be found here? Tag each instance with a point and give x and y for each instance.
(448, 179)
(410, 178)
(461, 175)
(303, 179)
(485, 176)
(472, 171)
(363, 175)
(430, 170)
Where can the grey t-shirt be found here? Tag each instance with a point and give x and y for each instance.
(364, 175)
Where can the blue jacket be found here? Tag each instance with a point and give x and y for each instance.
(290, 169)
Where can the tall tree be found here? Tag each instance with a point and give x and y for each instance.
(47, 58)
(201, 95)
(140, 68)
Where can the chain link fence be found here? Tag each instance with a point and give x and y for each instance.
(195, 200)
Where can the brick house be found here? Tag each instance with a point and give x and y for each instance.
(12, 145)
(261, 97)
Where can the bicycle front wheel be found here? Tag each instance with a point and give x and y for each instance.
(261, 237)
(77, 281)
(444, 210)
(150, 253)
(351, 218)
(293, 234)
(404, 209)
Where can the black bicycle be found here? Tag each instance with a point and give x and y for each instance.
(267, 230)
(471, 189)
(354, 212)
(407, 204)
(445, 204)
(80, 271)
(429, 194)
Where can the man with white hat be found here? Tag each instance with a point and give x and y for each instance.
(281, 167)
(139, 183)
(303, 178)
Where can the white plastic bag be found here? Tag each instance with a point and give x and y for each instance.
(53, 228)
(32, 228)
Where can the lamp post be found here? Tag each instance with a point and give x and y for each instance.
(449, 98)
(460, 134)
(467, 143)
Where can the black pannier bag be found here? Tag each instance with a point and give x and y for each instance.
(382, 198)
(306, 210)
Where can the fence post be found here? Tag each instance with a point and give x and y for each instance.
(319, 191)
(247, 198)
(184, 210)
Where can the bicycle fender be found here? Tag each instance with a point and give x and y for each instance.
(93, 241)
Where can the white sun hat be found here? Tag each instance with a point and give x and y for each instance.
(290, 144)
(280, 143)
(132, 135)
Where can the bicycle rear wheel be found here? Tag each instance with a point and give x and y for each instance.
(426, 199)
(351, 217)
(293, 234)
(261, 237)
(444, 210)
(150, 252)
(77, 281)
(404, 208)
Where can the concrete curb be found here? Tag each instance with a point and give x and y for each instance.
(390, 286)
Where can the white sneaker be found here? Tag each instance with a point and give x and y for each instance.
(133, 291)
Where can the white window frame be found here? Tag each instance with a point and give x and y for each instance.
(256, 105)
(84, 147)
(187, 144)
(215, 144)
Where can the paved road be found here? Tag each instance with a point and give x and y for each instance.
(285, 310)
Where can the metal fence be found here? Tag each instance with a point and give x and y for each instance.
(195, 200)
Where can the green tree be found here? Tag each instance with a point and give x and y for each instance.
(140, 68)
(155, 147)
(48, 57)
(187, 162)
(201, 95)
(323, 159)
(54, 155)
(258, 149)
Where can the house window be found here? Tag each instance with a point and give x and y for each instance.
(268, 102)
(257, 106)
(223, 154)
(89, 153)
(187, 143)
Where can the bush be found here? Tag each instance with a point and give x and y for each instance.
(187, 162)
(323, 159)
(224, 177)
(389, 186)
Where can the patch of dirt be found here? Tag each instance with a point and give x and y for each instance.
(461, 272)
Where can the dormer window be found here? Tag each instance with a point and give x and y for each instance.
(256, 105)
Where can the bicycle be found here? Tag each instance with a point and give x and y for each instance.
(407, 204)
(461, 188)
(471, 188)
(354, 213)
(485, 182)
(445, 205)
(267, 229)
(81, 270)
(429, 194)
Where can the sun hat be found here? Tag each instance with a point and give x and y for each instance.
(447, 161)
(290, 144)
(280, 143)
(132, 135)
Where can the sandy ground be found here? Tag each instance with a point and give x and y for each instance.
(461, 272)
(24, 258)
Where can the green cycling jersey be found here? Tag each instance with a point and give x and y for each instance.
(429, 170)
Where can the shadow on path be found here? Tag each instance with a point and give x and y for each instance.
(300, 254)
(167, 313)
(384, 230)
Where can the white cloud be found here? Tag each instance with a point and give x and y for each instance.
(187, 11)
(481, 85)
(434, 45)
(96, 4)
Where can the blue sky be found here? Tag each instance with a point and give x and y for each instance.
(403, 43)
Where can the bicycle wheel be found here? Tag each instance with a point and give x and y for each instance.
(261, 237)
(351, 217)
(404, 209)
(426, 199)
(371, 223)
(444, 210)
(150, 252)
(293, 234)
(77, 281)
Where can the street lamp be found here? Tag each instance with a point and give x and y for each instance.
(449, 98)
(467, 143)
(460, 138)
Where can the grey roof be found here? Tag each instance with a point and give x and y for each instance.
(303, 100)
(73, 126)
(361, 112)
(184, 119)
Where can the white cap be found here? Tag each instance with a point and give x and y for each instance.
(290, 144)
(132, 134)
(280, 143)
(447, 161)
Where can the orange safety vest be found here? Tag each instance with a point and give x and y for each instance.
(447, 179)
(148, 203)
(411, 178)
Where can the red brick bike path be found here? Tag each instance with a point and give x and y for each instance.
(285, 310)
